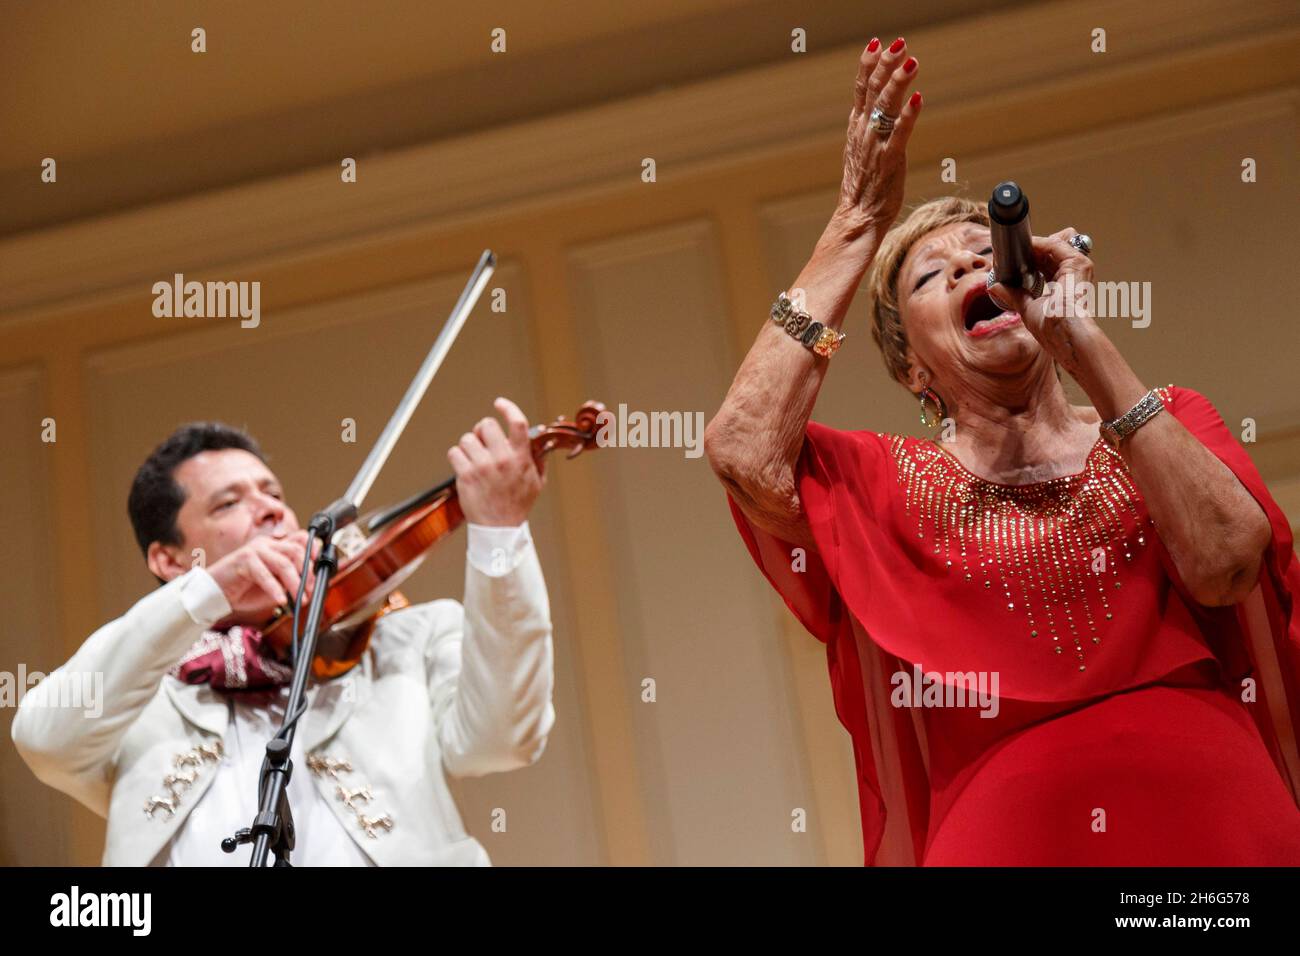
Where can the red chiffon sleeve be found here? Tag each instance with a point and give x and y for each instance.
(807, 579)
(1258, 639)
(841, 480)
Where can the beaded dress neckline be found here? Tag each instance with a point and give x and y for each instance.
(1087, 463)
(1053, 549)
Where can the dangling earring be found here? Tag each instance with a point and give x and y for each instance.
(927, 394)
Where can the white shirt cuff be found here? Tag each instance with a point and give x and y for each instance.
(202, 597)
(496, 551)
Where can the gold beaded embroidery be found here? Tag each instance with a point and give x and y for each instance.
(1040, 542)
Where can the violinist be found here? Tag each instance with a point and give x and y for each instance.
(192, 692)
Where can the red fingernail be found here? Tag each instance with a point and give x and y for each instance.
(915, 100)
(910, 65)
(874, 45)
(896, 45)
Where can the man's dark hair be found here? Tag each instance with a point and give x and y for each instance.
(156, 498)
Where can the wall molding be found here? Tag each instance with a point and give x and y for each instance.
(774, 109)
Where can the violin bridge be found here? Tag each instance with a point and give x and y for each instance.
(349, 539)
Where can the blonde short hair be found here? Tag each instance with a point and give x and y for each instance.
(882, 276)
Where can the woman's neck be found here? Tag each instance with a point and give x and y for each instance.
(1018, 431)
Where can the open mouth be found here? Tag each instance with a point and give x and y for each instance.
(981, 312)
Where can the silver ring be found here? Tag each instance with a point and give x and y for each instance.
(882, 124)
(1082, 242)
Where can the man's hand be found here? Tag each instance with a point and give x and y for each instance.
(262, 575)
(496, 477)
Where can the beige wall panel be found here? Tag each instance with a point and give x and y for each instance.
(720, 748)
(32, 816)
(364, 351)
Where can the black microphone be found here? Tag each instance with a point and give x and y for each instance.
(1013, 250)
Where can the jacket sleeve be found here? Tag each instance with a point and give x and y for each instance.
(69, 727)
(491, 668)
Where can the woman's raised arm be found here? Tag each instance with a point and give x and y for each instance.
(754, 440)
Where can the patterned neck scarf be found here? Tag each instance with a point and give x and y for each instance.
(234, 659)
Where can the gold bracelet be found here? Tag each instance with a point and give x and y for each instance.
(799, 325)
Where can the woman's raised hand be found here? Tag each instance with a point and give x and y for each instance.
(875, 165)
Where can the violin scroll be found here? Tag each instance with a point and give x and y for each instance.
(578, 435)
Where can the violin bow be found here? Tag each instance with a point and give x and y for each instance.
(351, 501)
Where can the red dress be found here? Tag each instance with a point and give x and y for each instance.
(1024, 676)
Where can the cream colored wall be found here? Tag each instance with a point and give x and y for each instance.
(646, 294)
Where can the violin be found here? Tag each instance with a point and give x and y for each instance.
(383, 549)
(379, 552)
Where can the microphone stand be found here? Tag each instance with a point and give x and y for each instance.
(272, 830)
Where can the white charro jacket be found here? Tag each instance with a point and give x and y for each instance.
(466, 688)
